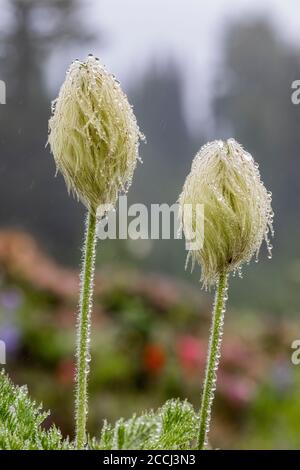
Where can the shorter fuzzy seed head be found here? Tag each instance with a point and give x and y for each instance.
(237, 208)
(93, 134)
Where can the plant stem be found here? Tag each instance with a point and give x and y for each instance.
(83, 330)
(213, 358)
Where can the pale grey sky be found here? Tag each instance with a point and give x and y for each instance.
(140, 32)
(190, 31)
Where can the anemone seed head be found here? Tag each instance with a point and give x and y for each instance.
(237, 208)
(93, 134)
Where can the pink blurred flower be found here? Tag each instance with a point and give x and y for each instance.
(239, 391)
(191, 353)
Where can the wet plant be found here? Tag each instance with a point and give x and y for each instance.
(173, 426)
(94, 138)
(238, 216)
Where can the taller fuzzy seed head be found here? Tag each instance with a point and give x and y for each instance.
(93, 134)
(237, 208)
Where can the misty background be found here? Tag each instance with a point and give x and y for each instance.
(194, 72)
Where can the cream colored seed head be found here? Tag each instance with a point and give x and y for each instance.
(237, 208)
(93, 134)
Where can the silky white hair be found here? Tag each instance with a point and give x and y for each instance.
(93, 134)
(237, 208)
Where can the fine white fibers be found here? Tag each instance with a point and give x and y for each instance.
(237, 208)
(93, 134)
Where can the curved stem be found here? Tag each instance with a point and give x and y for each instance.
(213, 357)
(83, 330)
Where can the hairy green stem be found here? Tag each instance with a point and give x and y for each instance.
(213, 357)
(83, 330)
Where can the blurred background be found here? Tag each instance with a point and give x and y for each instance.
(194, 71)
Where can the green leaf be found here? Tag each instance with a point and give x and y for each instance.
(173, 426)
(21, 421)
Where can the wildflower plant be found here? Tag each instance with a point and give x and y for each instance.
(237, 217)
(94, 138)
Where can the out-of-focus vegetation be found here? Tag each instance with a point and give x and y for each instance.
(148, 345)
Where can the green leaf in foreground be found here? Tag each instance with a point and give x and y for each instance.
(21, 421)
(173, 426)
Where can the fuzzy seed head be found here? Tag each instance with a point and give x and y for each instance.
(93, 134)
(237, 208)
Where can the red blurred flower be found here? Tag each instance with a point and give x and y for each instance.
(65, 371)
(154, 358)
